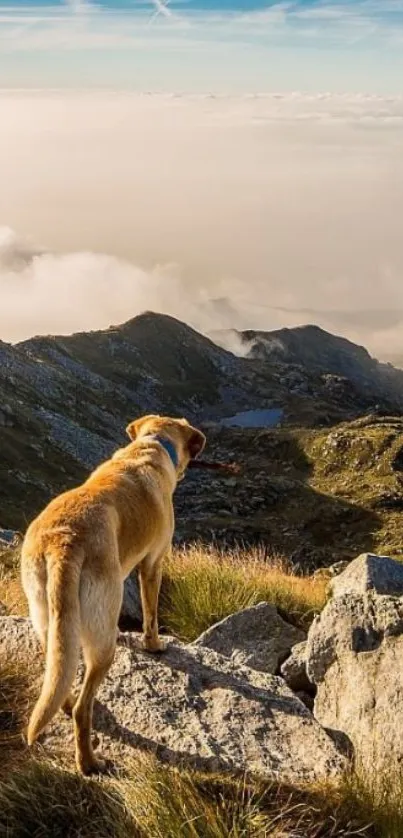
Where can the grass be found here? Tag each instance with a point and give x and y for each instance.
(11, 592)
(202, 586)
(40, 798)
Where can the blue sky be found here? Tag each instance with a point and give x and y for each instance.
(225, 46)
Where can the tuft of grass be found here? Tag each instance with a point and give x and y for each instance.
(378, 797)
(202, 585)
(15, 700)
(155, 801)
(41, 800)
(166, 802)
(11, 591)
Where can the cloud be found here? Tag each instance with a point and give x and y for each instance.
(225, 211)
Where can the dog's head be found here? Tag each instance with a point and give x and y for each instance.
(188, 441)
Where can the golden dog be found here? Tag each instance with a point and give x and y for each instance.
(79, 550)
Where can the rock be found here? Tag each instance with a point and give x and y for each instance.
(332, 570)
(354, 655)
(3, 609)
(131, 607)
(293, 670)
(9, 538)
(309, 702)
(256, 637)
(370, 573)
(195, 707)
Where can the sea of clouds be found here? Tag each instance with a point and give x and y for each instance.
(243, 212)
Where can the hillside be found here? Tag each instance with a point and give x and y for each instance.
(65, 401)
(341, 365)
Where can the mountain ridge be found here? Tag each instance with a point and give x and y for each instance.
(66, 400)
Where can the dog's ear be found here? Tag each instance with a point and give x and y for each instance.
(196, 442)
(134, 428)
(131, 430)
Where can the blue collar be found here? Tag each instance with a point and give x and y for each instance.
(169, 448)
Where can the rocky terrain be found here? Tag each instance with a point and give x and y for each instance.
(239, 698)
(322, 486)
(198, 707)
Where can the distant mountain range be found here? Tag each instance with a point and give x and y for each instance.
(65, 401)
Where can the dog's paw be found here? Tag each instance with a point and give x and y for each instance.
(154, 646)
(95, 765)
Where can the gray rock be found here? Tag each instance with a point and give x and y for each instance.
(354, 656)
(370, 573)
(293, 670)
(195, 707)
(131, 605)
(256, 637)
(9, 538)
(332, 570)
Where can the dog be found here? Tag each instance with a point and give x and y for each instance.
(77, 553)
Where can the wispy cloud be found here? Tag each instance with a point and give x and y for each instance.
(363, 18)
(289, 38)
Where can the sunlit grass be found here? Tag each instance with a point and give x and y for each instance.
(202, 586)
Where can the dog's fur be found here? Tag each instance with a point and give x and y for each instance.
(79, 550)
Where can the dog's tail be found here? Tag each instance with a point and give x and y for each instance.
(63, 639)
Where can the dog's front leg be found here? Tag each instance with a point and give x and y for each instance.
(150, 574)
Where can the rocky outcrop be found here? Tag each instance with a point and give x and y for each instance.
(293, 670)
(354, 657)
(368, 572)
(195, 707)
(256, 637)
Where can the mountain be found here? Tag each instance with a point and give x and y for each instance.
(310, 350)
(65, 402)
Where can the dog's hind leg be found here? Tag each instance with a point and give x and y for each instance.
(100, 606)
(150, 574)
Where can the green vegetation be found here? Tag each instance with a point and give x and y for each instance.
(362, 463)
(203, 586)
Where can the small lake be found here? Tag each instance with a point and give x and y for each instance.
(264, 418)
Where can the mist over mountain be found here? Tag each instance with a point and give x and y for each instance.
(228, 212)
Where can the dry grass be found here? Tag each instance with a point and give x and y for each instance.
(40, 799)
(15, 700)
(155, 801)
(202, 586)
(11, 592)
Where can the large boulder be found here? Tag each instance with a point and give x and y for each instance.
(256, 637)
(194, 707)
(354, 657)
(369, 573)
